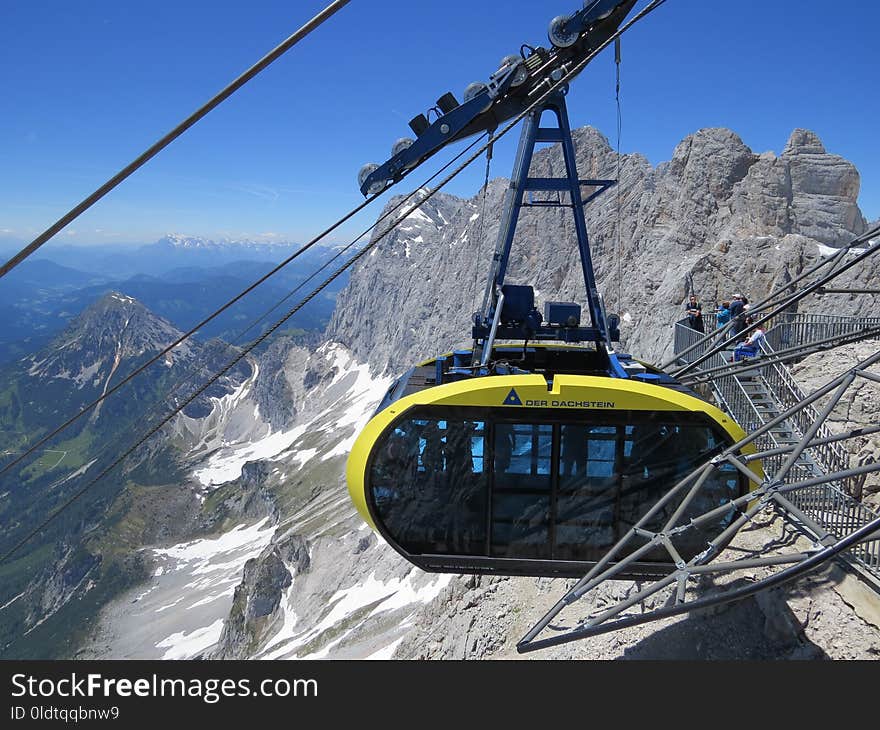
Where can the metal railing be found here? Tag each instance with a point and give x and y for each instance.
(789, 329)
(841, 515)
(728, 390)
(832, 457)
(831, 505)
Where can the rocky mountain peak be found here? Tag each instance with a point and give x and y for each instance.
(824, 189)
(595, 155)
(717, 216)
(120, 323)
(181, 240)
(113, 304)
(713, 155)
(106, 342)
(804, 141)
(592, 137)
(114, 329)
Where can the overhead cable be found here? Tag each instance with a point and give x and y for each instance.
(146, 156)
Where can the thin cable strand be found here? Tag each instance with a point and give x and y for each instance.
(145, 157)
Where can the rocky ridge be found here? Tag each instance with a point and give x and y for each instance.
(716, 215)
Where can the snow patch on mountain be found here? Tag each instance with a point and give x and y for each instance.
(205, 550)
(184, 646)
(346, 604)
(226, 464)
(179, 613)
(831, 251)
(349, 397)
(359, 393)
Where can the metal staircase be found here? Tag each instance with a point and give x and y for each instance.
(765, 406)
(760, 395)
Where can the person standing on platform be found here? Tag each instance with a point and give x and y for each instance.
(694, 313)
(722, 315)
(737, 315)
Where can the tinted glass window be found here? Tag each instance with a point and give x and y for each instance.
(521, 493)
(428, 484)
(523, 455)
(587, 495)
(567, 491)
(658, 455)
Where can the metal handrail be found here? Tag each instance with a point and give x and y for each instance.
(800, 328)
(831, 505)
(791, 329)
(785, 389)
(729, 392)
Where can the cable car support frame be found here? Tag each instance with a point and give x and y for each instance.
(771, 497)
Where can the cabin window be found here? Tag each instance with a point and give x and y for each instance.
(587, 494)
(521, 493)
(478, 483)
(657, 455)
(428, 483)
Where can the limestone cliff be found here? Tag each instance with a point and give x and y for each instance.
(716, 214)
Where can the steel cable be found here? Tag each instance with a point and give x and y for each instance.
(146, 156)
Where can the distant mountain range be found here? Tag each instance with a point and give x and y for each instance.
(182, 242)
(121, 261)
(178, 277)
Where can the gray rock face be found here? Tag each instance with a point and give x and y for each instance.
(824, 189)
(259, 595)
(246, 498)
(432, 244)
(716, 214)
(274, 390)
(62, 580)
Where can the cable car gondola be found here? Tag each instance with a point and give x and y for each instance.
(501, 474)
(534, 458)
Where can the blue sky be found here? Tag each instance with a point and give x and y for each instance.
(87, 86)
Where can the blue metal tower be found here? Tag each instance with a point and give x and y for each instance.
(508, 311)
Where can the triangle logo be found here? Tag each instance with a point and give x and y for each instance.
(512, 399)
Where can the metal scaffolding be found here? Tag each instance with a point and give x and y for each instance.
(804, 480)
